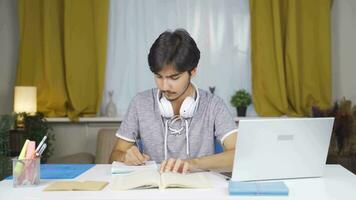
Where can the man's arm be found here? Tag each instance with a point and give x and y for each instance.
(119, 151)
(218, 162)
(127, 153)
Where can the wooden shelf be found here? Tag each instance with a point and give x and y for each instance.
(84, 119)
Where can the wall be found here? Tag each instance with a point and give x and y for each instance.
(344, 49)
(8, 53)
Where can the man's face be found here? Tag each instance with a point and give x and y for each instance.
(173, 83)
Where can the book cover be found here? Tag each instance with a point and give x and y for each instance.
(277, 188)
(76, 186)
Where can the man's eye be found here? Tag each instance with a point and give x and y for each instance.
(175, 77)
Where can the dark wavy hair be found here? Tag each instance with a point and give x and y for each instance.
(175, 48)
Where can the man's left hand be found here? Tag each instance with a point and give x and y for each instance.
(175, 165)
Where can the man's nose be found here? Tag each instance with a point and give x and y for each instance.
(165, 84)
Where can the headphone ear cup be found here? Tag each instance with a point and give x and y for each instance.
(187, 108)
(165, 107)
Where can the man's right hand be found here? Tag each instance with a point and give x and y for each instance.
(134, 157)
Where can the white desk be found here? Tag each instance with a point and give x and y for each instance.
(338, 183)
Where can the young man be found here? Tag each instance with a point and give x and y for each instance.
(176, 122)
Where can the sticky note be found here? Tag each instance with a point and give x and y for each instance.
(31, 148)
(19, 165)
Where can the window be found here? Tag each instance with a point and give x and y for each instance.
(221, 29)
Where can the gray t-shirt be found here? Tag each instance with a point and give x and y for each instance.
(143, 120)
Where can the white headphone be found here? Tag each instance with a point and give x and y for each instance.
(186, 110)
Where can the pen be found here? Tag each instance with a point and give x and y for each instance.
(41, 150)
(41, 143)
(138, 145)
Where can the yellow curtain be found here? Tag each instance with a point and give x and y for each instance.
(62, 52)
(291, 56)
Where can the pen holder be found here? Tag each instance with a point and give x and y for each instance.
(26, 172)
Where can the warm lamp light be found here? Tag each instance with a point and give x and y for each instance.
(25, 99)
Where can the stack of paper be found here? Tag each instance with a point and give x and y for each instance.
(121, 168)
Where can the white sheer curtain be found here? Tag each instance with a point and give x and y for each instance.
(221, 29)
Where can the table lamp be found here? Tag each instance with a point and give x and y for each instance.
(25, 101)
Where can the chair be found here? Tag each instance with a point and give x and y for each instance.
(106, 140)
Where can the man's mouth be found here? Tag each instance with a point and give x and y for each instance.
(169, 93)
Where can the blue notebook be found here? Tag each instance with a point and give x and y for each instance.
(62, 171)
(278, 188)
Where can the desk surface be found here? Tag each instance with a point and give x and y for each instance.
(337, 183)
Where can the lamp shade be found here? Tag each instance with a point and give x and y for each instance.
(25, 99)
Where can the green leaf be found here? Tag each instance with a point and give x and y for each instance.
(241, 98)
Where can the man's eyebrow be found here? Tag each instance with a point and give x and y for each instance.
(172, 75)
(177, 74)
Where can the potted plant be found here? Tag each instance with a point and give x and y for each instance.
(6, 123)
(36, 127)
(241, 99)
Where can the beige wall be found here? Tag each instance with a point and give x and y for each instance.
(344, 49)
(8, 53)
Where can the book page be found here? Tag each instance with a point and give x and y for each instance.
(189, 180)
(137, 180)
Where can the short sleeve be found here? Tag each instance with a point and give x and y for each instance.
(224, 123)
(129, 128)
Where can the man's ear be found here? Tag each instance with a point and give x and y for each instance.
(193, 72)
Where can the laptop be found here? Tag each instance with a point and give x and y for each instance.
(281, 148)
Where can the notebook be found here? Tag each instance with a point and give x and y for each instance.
(153, 179)
(121, 168)
(76, 186)
(258, 188)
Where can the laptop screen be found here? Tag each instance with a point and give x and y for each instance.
(280, 148)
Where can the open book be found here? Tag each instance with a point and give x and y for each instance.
(76, 186)
(153, 179)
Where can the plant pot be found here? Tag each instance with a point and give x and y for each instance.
(241, 111)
